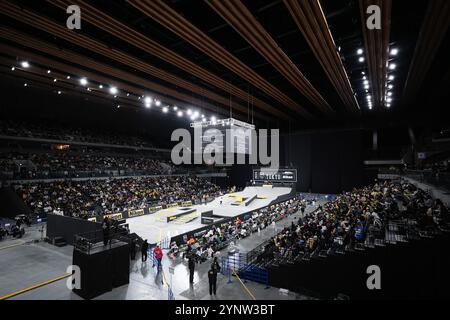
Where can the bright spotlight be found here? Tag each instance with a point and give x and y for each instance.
(175, 108)
(158, 103)
(13, 68)
(148, 105)
(83, 81)
(213, 119)
(100, 86)
(391, 77)
(165, 109)
(59, 92)
(366, 87)
(360, 51)
(390, 86)
(25, 64)
(189, 112)
(113, 90)
(361, 59)
(392, 66)
(68, 77)
(25, 84)
(180, 114)
(54, 80)
(148, 100)
(394, 52)
(49, 71)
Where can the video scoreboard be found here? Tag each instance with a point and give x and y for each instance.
(275, 175)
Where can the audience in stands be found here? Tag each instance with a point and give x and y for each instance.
(213, 240)
(68, 134)
(355, 216)
(96, 197)
(68, 164)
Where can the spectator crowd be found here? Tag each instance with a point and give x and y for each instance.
(67, 164)
(98, 197)
(356, 216)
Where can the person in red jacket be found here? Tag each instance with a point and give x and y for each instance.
(158, 255)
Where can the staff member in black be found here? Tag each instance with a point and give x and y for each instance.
(106, 229)
(191, 265)
(212, 276)
(144, 250)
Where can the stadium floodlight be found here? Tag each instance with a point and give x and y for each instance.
(83, 81)
(360, 51)
(158, 103)
(392, 66)
(113, 90)
(25, 64)
(361, 59)
(394, 52)
(390, 86)
(175, 108)
(391, 77)
(180, 114)
(165, 109)
(148, 100)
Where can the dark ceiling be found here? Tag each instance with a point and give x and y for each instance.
(270, 62)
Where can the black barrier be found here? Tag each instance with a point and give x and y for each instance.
(68, 227)
(413, 270)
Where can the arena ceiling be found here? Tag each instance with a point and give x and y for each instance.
(266, 61)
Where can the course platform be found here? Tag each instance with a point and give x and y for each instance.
(156, 227)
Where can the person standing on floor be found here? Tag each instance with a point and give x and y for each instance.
(212, 276)
(106, 230)
(215, 265)
(191, 266)
(144, 249)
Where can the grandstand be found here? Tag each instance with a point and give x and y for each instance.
(272, 150)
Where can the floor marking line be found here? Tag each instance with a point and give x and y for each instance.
(245, 287)
(11, 246)
(66, 275)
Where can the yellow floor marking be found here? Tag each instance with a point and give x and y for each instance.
(11, 246)
(245, 287)
(66, 275)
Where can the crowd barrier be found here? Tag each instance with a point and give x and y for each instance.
(413, 270)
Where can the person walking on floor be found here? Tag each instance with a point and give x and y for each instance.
(158, 256)
(144, 249)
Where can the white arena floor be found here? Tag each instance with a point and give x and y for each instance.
(155, 227)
